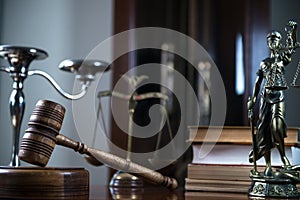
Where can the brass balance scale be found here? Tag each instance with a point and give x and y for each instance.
(120, 178)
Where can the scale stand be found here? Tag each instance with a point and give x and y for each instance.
(122, 179)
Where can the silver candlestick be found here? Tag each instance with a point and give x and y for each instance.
(19, 59)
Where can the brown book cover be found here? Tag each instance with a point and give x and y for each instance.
(234, 135)
(220, 172)
(217, 185)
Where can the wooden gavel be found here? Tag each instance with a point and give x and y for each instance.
(42, 134)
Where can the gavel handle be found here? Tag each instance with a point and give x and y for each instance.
(117, 162)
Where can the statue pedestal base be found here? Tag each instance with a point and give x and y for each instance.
(273, 187)
(44, 183)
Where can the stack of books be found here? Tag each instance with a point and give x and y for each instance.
(220, 158)
(218, 178)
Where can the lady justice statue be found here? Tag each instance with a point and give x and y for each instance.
(271, 126)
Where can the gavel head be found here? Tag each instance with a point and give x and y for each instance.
(39, 139)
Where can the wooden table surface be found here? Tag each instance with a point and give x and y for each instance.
(159, 193)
